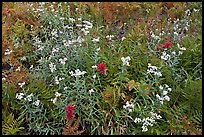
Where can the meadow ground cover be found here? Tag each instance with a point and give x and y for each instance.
(102, 68)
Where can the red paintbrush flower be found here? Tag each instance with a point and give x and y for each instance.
(167, 44)
(70, 112)
(102, 68)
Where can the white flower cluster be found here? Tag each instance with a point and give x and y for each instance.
(181, 49)
(153, 70)
(126, 61)
(128, 106)
(90, 91)
(165, 56)
(95, 40)
(21, 84)
(28, 98)
(87, 25)
(109, 37)
(149, 121)
(57, 94)
(164, 93)
(58, 80)
(63, 61)
(55, 50)
(77, 73)
(52, 67)
(8, 52)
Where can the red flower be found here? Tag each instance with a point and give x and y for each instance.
(167, 44)
(102, 68)
(70, 111)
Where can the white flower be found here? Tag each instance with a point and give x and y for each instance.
(94, 76)
(165, 92)
(137, 120)
(90, 91)
(109, 37)
(63, 61)
(180, 53)
(54, 100)
(57, 94)
(29, 97)
(37, 102)
(72, 20)
(19, 96)
(160, 87)
(77, 73)
(94, 66)
(183, 48)
(98, 49)
(128, 106)
(165, 56)
(144, 129)
(52, 67)
(169, 89)
(56, 80)
(95, 39)
(18, 69)
(65, 88)
(3, 79)
(174, 53)
(166, 98)
(123, 38)
(21, 84)
(8, 52)
(31, 67)
(157, 96)
(126, 60)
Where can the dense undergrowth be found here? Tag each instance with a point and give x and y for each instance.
(102, 68)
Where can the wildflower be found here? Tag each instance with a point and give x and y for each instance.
(102, 68)
(18, 69)
(169, 89)
(165, 56)
(57, 94)
(123, 38)
(19, 96)
(166, 98)
(37, 102)
(29, 97)
(165, 92)
(52, 67)
(70, 112)
(95, 39)
(3, 79)
(144, 129)
(109, 37)
(65, 88)
(137, 120)
(54, 100)
(125, 60)
(90, 91)
(98, 49)
(128, 106)
(94, 76)
(182, 48)
(63, 61)
(21, 84)
(94, 66)
(31, 67)
(8, 52)
(77, 73)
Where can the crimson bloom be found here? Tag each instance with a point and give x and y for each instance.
(167, 44)
(70, 112)
(102, 68)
